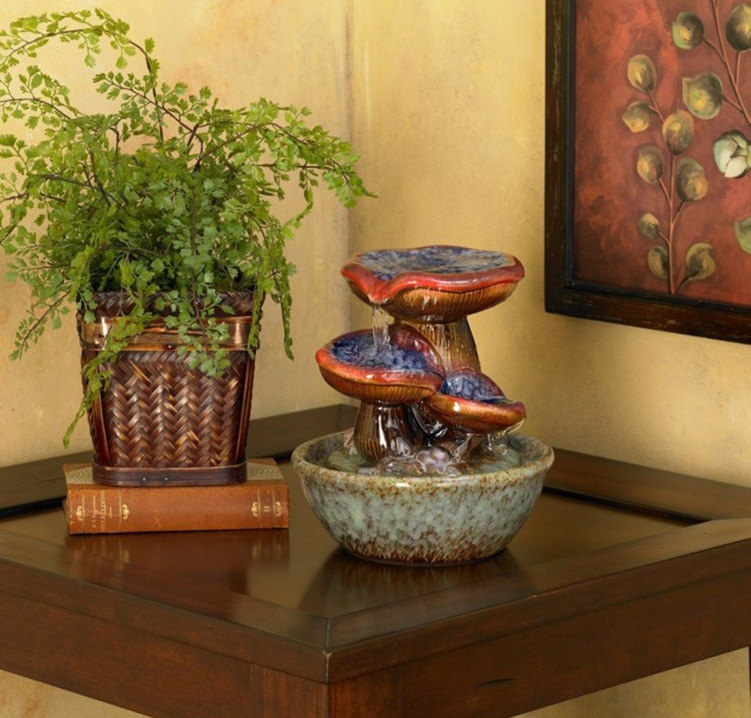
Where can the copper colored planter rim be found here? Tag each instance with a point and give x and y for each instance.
(379, 291)
(158, 337)
(170, 476)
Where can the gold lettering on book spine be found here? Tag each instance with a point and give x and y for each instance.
(100, 510)
(276, 505)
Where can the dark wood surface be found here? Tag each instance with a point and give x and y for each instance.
(564, 294)
(289, 625)
(648, 490)
(276, 623)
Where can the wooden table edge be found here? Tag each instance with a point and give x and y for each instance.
(342, 647)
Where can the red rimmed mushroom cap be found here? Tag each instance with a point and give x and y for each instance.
(435, 282)
(410, 372)
(472, 401)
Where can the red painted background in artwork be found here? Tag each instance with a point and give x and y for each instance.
(609, 195)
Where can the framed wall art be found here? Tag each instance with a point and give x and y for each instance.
(648, 169)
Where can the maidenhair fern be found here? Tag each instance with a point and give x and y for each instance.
(168, 196)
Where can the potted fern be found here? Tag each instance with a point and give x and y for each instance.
(158, 223)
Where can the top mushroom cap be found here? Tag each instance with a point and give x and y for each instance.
(405, 372)
(433, 283)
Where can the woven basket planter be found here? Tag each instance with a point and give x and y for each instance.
(161, 423)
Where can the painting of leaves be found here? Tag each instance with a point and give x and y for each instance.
(662, 165)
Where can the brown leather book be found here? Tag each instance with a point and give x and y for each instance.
(261, 502)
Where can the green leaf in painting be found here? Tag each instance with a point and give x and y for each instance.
(649, 164)
(637, 116)
(703, 95)
(738, 27)
(641, 73)
(649, 226)
(699, 262)
(688, 31)
(743, 234)
(690, 181)
(678, 131)
(657, 261)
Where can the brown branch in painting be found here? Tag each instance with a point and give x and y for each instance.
(655, 107)
(664, 189)
(671, 226)
(669, 194)
(733, 104)
(738, 56)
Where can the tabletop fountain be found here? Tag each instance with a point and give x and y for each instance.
(434, 471)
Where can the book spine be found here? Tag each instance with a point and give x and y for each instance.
(105, 509)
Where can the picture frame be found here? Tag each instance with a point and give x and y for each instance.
(565, 293)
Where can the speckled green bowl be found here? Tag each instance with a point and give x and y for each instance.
(422, 519)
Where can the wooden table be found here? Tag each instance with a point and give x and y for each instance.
(273, 623)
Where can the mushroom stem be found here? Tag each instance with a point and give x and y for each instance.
(383, 430)
(452, 340)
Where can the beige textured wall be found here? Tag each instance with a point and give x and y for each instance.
(292, 52)
(24, 698)
(449, 117)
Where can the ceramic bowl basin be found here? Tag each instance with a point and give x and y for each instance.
(422, 519)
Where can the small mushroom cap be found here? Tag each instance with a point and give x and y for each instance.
(472, 401)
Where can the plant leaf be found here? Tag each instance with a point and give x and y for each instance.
(703, 95)
(688, 31)
(649, 164)
(641, 73)
(743, 233)
(738, 27)
(637, 116)
(690, 181)
(678, 131)
(657, 261)
(699, 262)
(649, 226)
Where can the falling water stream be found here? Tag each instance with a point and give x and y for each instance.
(380, 328)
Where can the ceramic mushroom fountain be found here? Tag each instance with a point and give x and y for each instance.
(433, 471)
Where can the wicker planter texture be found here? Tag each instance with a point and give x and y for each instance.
(161, 423)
